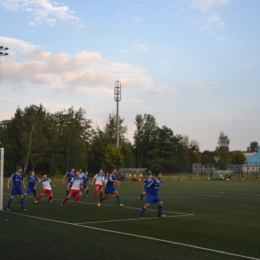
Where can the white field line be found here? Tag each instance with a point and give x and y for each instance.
(119, 220)
(108, 205)
(138, 236)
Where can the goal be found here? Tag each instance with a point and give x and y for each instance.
(1, 177)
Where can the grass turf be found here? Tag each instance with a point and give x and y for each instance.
(226, 218)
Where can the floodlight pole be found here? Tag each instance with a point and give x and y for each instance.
(117, 98)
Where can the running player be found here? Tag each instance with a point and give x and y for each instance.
(110, 188)
(32, 182)
(106, 180)
(17, 178)
(46, 184)
(86, 179)
(70, 175)
(77, 183)
(152, 196)
(144, 185)
(99, 183)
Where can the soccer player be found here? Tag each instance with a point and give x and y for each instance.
(106, 180)
(144, 185)
(86, 179)
(70, 175)
(17, 179)
(77, 183)
(46, 184)
(99, 183)
(110, 188)
(152, 196)
(32, 182)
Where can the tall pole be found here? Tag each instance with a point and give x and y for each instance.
(117, 98)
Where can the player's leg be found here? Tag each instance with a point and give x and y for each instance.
(96, 191)
(106, 194)
(142, 196)
(66, 199)
(78, 197)
(34, 193)
(117, 197)
(160, 204)
(51, 196)
(22, 201)
(87, 190)
(43, 192)
(101, 192)
(10, 201)
(145, 207)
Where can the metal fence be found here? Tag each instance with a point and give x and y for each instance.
(59, 164)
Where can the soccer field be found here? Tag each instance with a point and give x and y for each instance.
(205, 220)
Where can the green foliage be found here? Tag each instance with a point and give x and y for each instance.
(253, 147)
(223, 150)
(237, 157)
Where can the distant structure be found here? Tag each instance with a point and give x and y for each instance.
(117, 98)
(253, 159)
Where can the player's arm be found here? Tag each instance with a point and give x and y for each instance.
(52, 183)
(26, 179)
(22, 181)
(36, 182)
(143, 184)
(93, 179)
(64, 178)
(148, 186)
(8, 182)
(115, 181)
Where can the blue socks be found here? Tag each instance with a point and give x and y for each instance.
(101, 200)
(22, 202)
(142, 212)
(159, 211)
(118, 200)
(24, 196)
(81, 190)
(9, 203)
(67, 193)
(87, 192)
(141, 198)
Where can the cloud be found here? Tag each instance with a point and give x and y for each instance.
(43, 11)
(16, 44)
(166, 91)
(205, 19)
(205, 88)
(7, 99)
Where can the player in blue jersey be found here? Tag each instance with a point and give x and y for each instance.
(111, 188)
(144, 185)
(77, 183)
(69, 175)
(17, 179)
(86, 179)
(152, 196)
(32, 182)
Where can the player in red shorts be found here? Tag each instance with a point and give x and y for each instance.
(46, 184)
(99, 183)
(77, 184)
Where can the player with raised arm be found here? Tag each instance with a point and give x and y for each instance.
(99, 177)
(69, 175)
(77, 183)
(17, 179)
(144, 185)
(86, 179)
(111, 188)
(46, 184)
(32, 182)
(152, 197)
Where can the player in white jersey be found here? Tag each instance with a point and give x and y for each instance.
(46, 184)
(81, 173)
(99, 182)
(77, 184)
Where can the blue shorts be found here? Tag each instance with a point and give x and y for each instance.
(30, 190)
(152, 198)
(17, 191)
(70, 185)
(144, 189)
(109, 189)
(85, 185)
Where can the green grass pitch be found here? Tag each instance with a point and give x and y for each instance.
(212, 216)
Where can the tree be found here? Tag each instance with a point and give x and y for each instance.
(223, 150)
(237, 157)
(207, 157)
(253, 147)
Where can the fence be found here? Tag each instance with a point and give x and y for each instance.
(172, 169)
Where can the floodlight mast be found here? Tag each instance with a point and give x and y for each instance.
(117, 98)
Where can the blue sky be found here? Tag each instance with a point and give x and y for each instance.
(193, 64)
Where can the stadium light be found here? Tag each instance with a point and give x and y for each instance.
(117, 98)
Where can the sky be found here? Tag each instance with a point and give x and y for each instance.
(193, 64)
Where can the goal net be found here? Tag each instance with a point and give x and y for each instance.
(1, 177)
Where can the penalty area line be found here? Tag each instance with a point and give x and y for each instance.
(119, 220)
(138, 236)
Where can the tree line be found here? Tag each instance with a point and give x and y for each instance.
(54, 142)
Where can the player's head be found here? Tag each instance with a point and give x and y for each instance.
(114, 171)
(44, 176)
(107, 174)
(101, 171)
(158, 175)
(32, 173)
(80, 170)
(77, 173)
(86, 173)
(150, 175)
(19, 169)
(72, 170)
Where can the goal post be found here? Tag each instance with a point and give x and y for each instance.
(1, 177)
